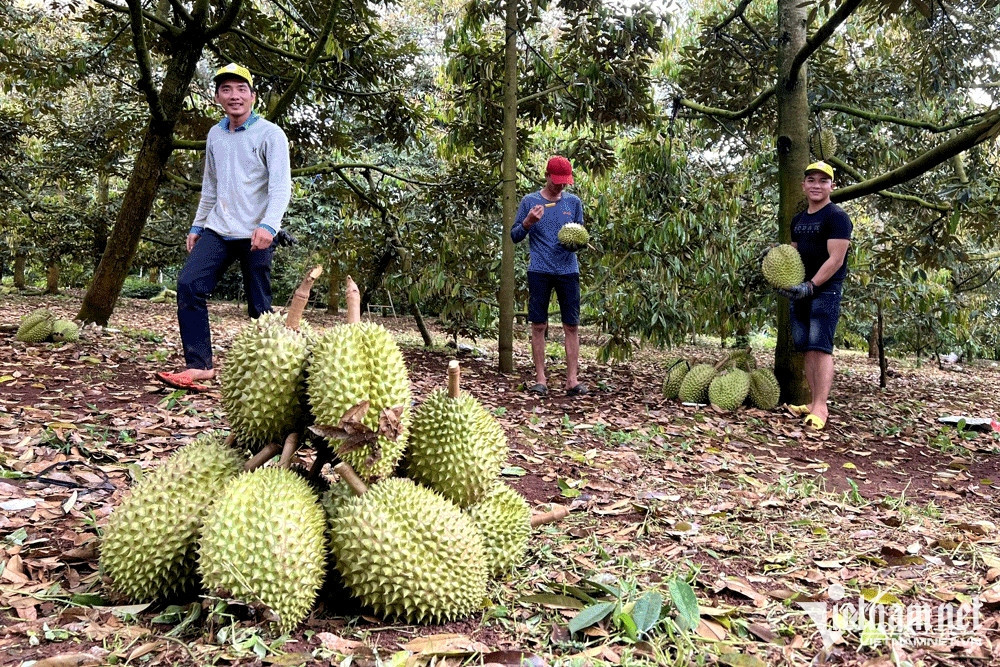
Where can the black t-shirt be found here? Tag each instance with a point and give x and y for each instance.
(811, 231)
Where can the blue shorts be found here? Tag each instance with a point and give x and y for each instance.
(814, 320)
(567, 288)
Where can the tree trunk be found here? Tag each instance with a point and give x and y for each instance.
(873, 337)
(154, 275)
(793, 156)
(333, 291)
(421, 325)
(505, 296)
(20, 259)
(883, 365)
(99, 223)
(52, 276)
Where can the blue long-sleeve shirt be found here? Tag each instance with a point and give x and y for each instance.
(546, 254)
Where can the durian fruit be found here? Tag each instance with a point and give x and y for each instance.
(729, 389)
(504, 519)
(573, 236)
(409, 553)
(264, 542)
(677, 368)
(764, 390)
(782, 267)
(354, 363)
(742, 359)
(823, 144)
(334, 498)
(456, 447)
(65, 331)
(149, 545)
(694, 386)
(263, 381)
(36, 326)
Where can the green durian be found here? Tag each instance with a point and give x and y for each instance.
(150, 543)
(456, 447)
(36, 326)
(264, 542)
(263, 381)
(729, 388)
(823, 144)
(352, 363)
(694, 386)
(573, 236)
(409, 553)
(764, 390)
(65, 331)
(504, 519)
(782, 267)
(742, 359)
(677, 368)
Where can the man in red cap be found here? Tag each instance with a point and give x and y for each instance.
(245, 190)
(552, 266)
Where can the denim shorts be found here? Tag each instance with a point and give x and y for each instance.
(567, 287)
(814, 320)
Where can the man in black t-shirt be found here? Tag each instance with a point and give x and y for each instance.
(822, 234)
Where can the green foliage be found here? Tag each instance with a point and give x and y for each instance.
(139, 288)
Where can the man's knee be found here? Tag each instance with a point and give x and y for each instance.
(539, 328)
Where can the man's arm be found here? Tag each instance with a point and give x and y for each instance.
(837, 249)
(209, 195)
(279, 190)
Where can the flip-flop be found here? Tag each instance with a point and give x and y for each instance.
(578, 390)
(539, 389)
(798, 410)
(180, 381)
(814, 421)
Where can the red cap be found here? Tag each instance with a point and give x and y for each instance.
(559, 170)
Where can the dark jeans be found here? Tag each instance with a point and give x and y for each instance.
(567, 287)
(814, 320)
(204, 267)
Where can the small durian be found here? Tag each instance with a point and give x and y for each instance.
(573, 236)
(764, 390)
(36, 326)
(65, 331)
(504, 519)
(263, 381)
(823, 144)
(456, 447)
(409, 553)
(264, 542)
(782, 267)
(694, 386)
(676, 370)
(150, 543)
(729, 388)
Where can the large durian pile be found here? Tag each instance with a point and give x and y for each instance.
(42, 325)
(728, 384)
(415, 534)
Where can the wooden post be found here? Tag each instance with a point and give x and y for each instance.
(454, 379)
(301, 298)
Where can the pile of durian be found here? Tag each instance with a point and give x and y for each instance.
(42, 325)
(414, 527)
(727, 385)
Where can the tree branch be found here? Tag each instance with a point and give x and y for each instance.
(543, 93)
(180, 180)
(985, 130)
(188, 144)
(735, 14)
(281, 105)
(754, 104)
(181, 11)
(149, 16)
(328, 167)
(823, 33)
(225, 23)
(883, 118)
(145, 82)
(857, 176)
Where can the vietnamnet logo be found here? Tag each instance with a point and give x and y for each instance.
(880, 617)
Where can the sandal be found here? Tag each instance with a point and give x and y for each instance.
(539, 389)
(578, 390)
(814, 421)
(181, 381)
(798, 410)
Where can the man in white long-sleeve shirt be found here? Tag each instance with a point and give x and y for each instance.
(244, 193)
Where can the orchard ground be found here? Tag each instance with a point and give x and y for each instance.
(758, 515)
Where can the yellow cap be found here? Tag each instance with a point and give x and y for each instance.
(820, 166)
(232, 69)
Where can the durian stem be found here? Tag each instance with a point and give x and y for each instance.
(454, 379)
(301, 298)
(230, 439)
(555, 514)
(351, 478)
(291, 444)
(353, 298)
(263, 456)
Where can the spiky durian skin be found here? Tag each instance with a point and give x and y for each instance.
(504, 519)
(823, 144)
(782, 267)
(694, 386)
(742, 359)
(765, 392)
(409, 553)
(264, 542)
(263, 381)
(36, 326)
(676, 370)
(150, 543)
(352, 363)
(456, 447)
(334, 498)
(573, 235)
(65, 331)
(728, 389)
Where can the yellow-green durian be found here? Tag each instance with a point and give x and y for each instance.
(36, 326)
(782, 267)
(729, 388)
(764, 389)
(504, 519)
(676, 370)
(694, 386)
